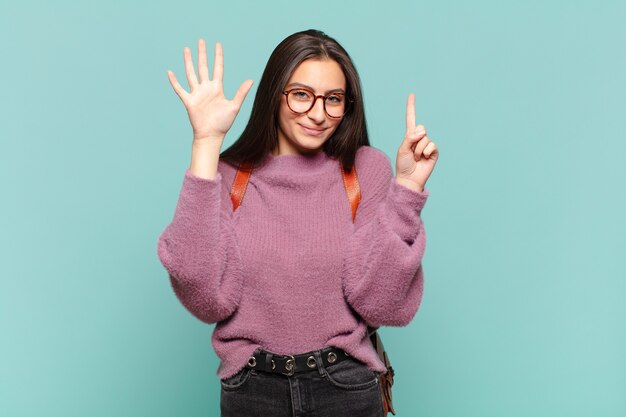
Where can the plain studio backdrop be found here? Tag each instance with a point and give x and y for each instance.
(523, 312)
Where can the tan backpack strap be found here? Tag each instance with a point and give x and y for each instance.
(351, 182)
(240, 183)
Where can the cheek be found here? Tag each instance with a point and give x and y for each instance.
(286, 118)
(282, 119)
(336, 125)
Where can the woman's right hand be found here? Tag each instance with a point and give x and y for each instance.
(211, 114)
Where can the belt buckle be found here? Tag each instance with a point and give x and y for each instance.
(290, 365)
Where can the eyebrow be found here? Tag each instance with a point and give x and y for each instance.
(336, 90)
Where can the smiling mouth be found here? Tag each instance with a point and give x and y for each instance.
(312, 131)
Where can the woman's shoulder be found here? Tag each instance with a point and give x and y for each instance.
(227, 171)
(370, 155)
(371, 161)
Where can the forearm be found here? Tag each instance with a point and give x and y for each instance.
(383, 278)
(205, 154)
(199, 250)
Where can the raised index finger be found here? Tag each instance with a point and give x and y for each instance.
(218, 65)
(410, 113)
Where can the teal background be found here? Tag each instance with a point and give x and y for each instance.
(523, 313)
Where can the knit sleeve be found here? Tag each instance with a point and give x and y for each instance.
(383, 278)
(199, 250)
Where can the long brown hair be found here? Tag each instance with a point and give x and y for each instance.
(260, 136)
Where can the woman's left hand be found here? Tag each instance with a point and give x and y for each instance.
(417, 155)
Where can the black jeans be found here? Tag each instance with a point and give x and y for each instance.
(347, 388)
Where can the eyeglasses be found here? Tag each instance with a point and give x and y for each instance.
(301, 101)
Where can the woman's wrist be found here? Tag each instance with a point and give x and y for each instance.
(410, 184)
(205, 155)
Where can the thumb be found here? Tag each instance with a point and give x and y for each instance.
(242, 92)
(178, 89)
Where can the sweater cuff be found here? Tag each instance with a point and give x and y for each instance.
(198, 195)
(404, 207)
(198, 182)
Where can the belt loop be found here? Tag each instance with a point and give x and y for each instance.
(320, 363)
(268, 362)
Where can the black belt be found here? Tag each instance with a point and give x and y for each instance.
(262, 360)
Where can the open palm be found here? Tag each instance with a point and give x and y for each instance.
(211, 114)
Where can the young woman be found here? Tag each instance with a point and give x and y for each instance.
(291, 274)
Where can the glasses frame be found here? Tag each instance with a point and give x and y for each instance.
(315, 97)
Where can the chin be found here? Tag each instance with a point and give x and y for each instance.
(311, 144)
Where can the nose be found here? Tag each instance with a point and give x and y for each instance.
(317, 113)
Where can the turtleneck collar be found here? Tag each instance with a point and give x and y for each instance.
(296, 165)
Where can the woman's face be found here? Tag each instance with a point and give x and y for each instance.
(306, 133)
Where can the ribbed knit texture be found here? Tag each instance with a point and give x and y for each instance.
(288, 271)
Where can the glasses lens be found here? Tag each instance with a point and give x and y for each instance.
(335, 105)
(300, 101)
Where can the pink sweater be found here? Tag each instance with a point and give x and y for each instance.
(288, 271)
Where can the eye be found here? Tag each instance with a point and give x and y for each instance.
(334, 99)
(301, 95)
